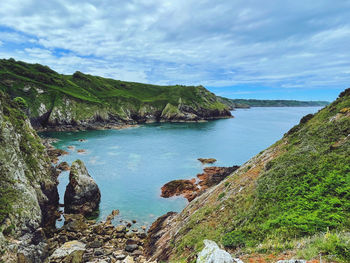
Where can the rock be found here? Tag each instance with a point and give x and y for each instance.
(211, 253)
(98, 252)
(131, 247)
(128, 259)
(55, 153)
(214, 175)
(119, 256)
(134, 221)
(190, 189)
(179, 187)
(63, 166)
(292, 261)
(73, 250)
(82, 194)
(206, 160)
(120, 229)
(155, 234)
(95, 244)
(28, 187)
(81, 151)
(111, 216)
(75, 223)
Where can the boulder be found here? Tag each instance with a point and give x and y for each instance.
(82, 194)
(71, 251)
(211, 253)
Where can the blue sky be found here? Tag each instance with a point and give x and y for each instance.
(268, 49)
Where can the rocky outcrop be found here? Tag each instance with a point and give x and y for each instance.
(207, 160)
(160, 229)
(28, 188)
(187, 188)
(190, 189)
(82, 194)
(211, 253)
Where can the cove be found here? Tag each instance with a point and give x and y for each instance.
(131, 165)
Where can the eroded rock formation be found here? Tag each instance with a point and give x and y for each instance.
(82, 194)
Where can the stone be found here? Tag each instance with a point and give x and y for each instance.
(72, 249)
(119, 256)
(131, 247)
(211, 253)
(120, 229)
(110, 217)
(82, 195)
(63, 166)
(95, 244)
(206, 160)
(128, 259)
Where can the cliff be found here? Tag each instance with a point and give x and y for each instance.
(246, 103)
(28, 188)
(57, 101)
(290, 201)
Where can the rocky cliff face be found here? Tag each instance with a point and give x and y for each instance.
(82, 194)
(28, 188)
(81, 101)
(295, 190)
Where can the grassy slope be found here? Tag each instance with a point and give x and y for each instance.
(278, 103)
(294, 196)
(96, 93)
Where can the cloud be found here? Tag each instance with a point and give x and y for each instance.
(221, 43)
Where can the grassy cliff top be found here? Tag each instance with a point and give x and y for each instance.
(28, 80)
(277, 103)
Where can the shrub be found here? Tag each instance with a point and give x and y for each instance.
(21, 102)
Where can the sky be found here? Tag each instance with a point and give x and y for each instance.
(267, 49)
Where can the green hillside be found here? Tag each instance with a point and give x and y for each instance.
(277, 103)
(56, 99)
(292, 199)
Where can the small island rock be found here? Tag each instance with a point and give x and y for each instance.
(82, 194)
(207, 160)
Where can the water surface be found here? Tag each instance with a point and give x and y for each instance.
(131, 165)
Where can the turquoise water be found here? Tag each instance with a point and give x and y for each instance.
(131, 165)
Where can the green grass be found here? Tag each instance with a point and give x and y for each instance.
(114, 96)
(302, 192)
(306, 189)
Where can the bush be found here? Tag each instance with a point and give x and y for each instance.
(234, 239)
(21, 102)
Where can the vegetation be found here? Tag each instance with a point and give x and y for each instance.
(12, 119)
(295, 192)
(44, 89)
(276, 103)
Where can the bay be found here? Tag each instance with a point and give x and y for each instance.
(131, 165)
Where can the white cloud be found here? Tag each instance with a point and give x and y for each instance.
(291, 43)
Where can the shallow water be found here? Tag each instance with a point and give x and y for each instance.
(131, 165)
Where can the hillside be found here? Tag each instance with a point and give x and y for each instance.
(28, 188)
(276, 103)
(85, 101)
(290, 201)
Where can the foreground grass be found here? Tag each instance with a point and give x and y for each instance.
(294, 197)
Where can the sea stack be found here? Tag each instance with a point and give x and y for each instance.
(82, 194)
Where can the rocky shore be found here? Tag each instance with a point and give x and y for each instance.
(82, 240)
(192, 188)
